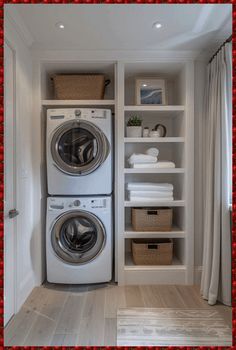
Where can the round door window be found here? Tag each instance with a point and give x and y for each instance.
(78, 237)
(79, 147)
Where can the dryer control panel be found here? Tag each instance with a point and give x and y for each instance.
(78, 113)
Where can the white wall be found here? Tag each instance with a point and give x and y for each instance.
(27, 230)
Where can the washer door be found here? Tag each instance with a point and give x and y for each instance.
(79, 147)
(78, 237)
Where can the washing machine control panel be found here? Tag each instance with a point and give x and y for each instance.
(89, 203)
(60, 204)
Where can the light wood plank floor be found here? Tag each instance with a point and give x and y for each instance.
(86, 315)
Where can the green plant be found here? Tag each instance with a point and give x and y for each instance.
(134, 120)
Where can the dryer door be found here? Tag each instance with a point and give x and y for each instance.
(78, 237)
(79, 147)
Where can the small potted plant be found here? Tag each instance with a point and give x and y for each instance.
(134, 126)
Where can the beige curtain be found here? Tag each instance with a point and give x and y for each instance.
(216, 276)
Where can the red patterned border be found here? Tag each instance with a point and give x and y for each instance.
(234, 181)
(2, 2)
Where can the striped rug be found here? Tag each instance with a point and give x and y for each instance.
(180, 327)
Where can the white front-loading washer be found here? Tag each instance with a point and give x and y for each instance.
(79, 239)
(79, 151)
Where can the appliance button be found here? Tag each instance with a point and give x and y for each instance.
(76, 203)
(77, 112)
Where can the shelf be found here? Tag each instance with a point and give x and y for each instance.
(154, 108)
(175, 233)
(175, 203)
(154, 171)
(153, 139)
(129, 265)
(78, 102)
(154, 275)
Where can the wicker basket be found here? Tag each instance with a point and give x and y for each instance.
(152, 251)
(79, 86)
(152, 219)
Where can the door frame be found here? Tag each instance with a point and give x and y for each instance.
(16, 172)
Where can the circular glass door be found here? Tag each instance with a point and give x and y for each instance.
(79, 147)
(78, 237)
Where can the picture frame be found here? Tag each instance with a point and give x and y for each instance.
(150, 91)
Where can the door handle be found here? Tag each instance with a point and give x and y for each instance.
(13, 213)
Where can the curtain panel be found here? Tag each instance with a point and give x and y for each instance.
(217, 173)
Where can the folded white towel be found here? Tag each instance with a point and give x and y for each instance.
(153, 194)
(153, 151)
(160, 164)
(149, 186)
(141, 158)
(150, 199)
(165, 164)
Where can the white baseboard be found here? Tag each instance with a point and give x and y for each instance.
(24, 289)
(197, 275)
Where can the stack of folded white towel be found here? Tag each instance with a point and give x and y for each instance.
(148, 160)
(150, 191)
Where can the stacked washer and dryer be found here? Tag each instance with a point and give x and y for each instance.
(79, 232)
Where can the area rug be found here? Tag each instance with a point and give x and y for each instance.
(193, 327)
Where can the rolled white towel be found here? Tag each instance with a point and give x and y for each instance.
(141, 158)
(159, 164)
(153, 151)
(151, 194)
(149, 186)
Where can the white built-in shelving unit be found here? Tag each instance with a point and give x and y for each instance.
(177, 146)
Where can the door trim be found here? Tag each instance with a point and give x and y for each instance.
(15, 160)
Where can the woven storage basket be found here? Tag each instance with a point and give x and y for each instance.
(152, 219)
(152, 251)
(79, 86)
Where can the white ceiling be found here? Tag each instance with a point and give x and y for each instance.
(127, 27)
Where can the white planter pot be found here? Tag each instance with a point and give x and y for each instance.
(133, 131)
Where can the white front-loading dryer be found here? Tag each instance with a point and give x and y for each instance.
(79, 239)
(79, 151)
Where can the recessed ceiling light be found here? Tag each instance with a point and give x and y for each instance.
(60, 25)
(157, 25)
(144, 85)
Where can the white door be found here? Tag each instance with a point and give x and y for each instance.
(10, 185)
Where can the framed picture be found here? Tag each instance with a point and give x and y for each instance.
(150, 91)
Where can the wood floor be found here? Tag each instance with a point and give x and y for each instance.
(86, 315)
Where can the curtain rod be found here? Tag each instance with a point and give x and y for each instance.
(225, 42)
